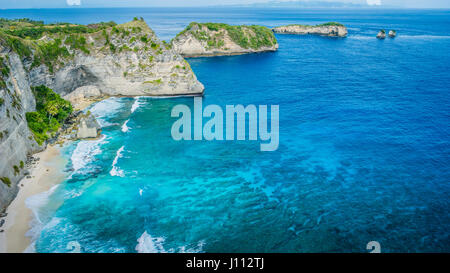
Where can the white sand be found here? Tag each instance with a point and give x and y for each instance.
(46, 173)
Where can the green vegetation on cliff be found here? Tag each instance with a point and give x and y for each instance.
(53, 45)
(329, 24)
(51, 111)
(253, 36)
(29, 29)
(4, 72)
(6, 181)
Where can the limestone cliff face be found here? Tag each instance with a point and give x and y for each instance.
(214, 39)
(124, 60)
(127, 60)
(328, 29)
(16, 140)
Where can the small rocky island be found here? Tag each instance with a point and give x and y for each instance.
(47, 72)
(216, 39)
(392, 33)
(381, 34)
(331, 29)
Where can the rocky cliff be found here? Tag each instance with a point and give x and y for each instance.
(16, 140)
(328, 29)
(79, 63)
(214, 39)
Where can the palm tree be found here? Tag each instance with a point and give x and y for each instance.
(52, 109)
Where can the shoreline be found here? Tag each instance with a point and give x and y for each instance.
(47, 173)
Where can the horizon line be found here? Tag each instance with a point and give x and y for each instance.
(232, 6)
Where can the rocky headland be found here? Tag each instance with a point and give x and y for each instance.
(44, 67)
(331, 29)
(216, 39)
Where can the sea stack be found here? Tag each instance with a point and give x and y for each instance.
(331, 29)
(88, 127)
(381, 34)
(216, 39)
(392, 33)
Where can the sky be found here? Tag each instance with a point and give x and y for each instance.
(8, 4)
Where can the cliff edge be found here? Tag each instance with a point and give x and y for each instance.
(216, 39)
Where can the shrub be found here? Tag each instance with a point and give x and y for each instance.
(155, 46)
(16, 170)
(6, 181)
(4, 69)
(77, 42)
(49, 54)
(144, 39)
(51, 111)
(18, 46)
(158, 81)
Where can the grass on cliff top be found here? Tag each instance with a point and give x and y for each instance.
(51, 112)
(23, 36)
(29, 29)
(336, 24)
(252, 36)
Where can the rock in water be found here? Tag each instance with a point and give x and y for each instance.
(381, 34)
(88, 127)
(392, 33)
(331, 29)
(215, 39)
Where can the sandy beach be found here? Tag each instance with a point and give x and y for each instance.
(45, 174)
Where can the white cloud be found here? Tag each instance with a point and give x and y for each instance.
(73, 2)
(374, 2)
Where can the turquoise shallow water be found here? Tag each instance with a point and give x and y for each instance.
(363, 156)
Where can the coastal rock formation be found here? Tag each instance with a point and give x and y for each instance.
(88, 127)
(214, 39)
(124, 60)
(331, 29)
(80, 63)
(16, 140)
(381, 34)
(392, 33)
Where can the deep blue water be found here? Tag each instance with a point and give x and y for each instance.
(364, 145)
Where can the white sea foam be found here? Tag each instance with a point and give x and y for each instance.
(104, 109)
(148, 244)
(35, 203)
(85, 152)
(136, 104)
(125, 128)
(116, 171)
(198, 249)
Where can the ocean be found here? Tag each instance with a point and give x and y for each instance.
(363, 155)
